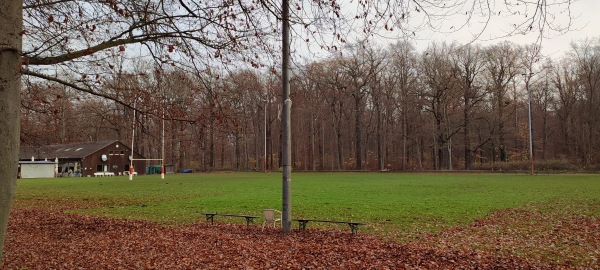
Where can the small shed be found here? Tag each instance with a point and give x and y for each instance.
(37, 169)
(156, 169)
(169, 168)
(153, 169)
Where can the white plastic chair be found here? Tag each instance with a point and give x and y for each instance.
(271, 217)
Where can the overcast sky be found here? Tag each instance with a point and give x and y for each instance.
(586, 24)
(585, 16)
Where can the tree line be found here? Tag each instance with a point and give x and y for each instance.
(449, 107)
(53, 51)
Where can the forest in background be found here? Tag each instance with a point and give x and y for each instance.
(83, 67)
(449, 107)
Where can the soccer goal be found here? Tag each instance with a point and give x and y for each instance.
(132, 158)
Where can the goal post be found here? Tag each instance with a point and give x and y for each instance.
(131, 169)
(132, 157)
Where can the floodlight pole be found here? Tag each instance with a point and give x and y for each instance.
(531, 163)
(162, 154)
(132, 139)
(286, 126)
(265, 132)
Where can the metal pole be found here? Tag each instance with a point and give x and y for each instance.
(287, 104)
(162, 154)
(132, 138)
(265, 134)
(162, 139)
(531, 166)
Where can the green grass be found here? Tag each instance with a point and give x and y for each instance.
(399, 205)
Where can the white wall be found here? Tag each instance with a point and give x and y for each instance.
(43, 170)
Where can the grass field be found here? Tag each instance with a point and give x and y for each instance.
(398, 205)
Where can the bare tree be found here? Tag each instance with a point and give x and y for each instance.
(565, 81)
(587, 59)
(309, 84)
(361, 69)
(440, 89)
(502, 66)
(75, 42)
(468, 61)
(332, 85)
(403, 81)
(543, 99)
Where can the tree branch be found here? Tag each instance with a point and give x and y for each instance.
(82, 89)
(26, 71)
(38, 5)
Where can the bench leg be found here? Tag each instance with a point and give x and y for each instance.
(210, 217)
(302, 224)
(249, 220)
(353, 228)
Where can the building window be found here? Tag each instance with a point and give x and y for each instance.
(98, 168)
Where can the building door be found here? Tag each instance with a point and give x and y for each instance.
(116, 159)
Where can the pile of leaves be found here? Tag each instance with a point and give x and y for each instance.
(40, 239)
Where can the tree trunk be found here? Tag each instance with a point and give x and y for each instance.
(174, 145)
(238, 154)
(467, 134)
(211, 145)
(545, 126)
(181, 150)
(313, 159)
(501, 140)
(11, 24)
(271, 145)
(322, 149)
(380, 140)
(222, 153)
(404, 140)
(440, 140)
(257, 135)
(338, 138)
(357, 135)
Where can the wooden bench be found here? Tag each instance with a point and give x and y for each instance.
(353, 225)
(96, 174)
(210, 217)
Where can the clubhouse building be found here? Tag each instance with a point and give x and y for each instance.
(104, 158)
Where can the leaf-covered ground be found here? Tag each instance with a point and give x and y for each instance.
(52, 240)
(559, 236)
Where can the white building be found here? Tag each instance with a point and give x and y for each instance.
(37, 169)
